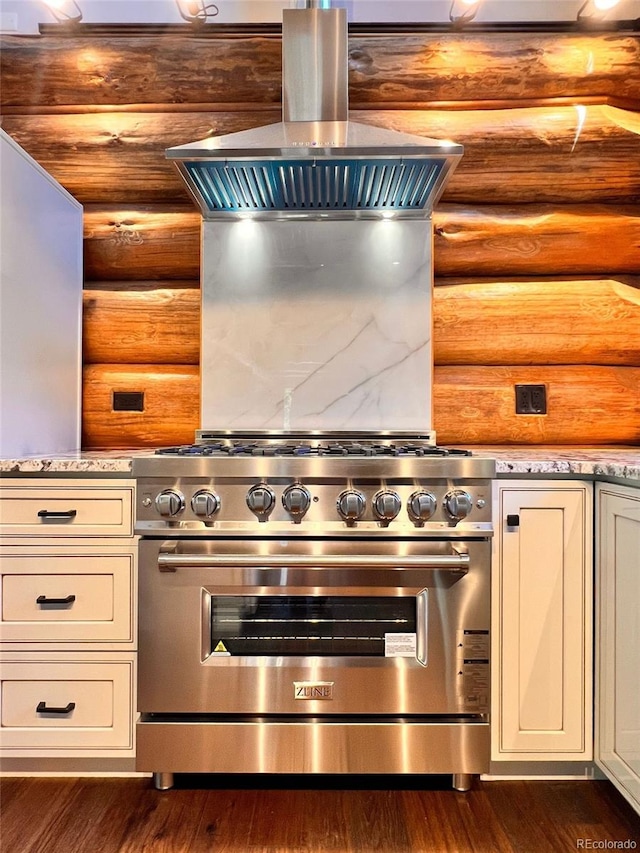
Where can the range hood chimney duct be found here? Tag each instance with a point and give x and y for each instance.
(315, 63)
(316, 163)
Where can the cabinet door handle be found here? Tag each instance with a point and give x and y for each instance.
(42, 600)
(42, 709)
(57, 513)
(513, 521)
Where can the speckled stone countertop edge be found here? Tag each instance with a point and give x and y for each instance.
(604, 463)
(598, 463)
(80, 462)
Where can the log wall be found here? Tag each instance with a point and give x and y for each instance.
(537, 238)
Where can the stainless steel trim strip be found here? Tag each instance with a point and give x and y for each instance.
(177, 531)
(412, 468)
(311, 436)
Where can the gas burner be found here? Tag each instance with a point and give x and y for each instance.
(189, 450)
(431, 450)
(333, 449)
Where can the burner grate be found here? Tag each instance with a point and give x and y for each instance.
(331, 449)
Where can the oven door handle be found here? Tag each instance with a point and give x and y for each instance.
(422, 610)
(172, 562)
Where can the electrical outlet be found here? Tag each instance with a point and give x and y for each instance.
(531, 399)
(127, 401)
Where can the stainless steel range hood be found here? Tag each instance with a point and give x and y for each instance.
(316, 163)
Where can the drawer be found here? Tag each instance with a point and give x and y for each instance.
(66, 596)
(77, 509)
(66, 706)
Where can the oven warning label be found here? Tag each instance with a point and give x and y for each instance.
(399, 645)
(472, 662)
(221, 649)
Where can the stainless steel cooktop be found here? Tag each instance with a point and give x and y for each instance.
(391, 484)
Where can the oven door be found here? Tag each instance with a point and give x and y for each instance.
(314, 627)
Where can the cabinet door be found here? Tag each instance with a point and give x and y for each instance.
(542, 623)
(618, 648)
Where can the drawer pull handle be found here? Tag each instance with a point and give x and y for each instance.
(43, 600)
(42, 709)
(513, 521)
(67, 514)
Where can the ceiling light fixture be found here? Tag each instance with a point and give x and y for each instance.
(463, 11)
(64, 11)
(595, 9)
(197, 11)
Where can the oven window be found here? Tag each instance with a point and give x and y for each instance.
(334, 626)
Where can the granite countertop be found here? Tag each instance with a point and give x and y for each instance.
(622, 463)
(75, 462)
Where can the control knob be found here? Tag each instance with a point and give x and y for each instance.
(386, 505)
(421, 506)
(296, 500)
(458, 504)
(169, 502)
(205, 503)
(351, 505)
(261, 500)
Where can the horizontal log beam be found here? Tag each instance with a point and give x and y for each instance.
(586, 405)
(543, 154)
(171, 406)
(489, 323)
(256, 109)
(398, 68)
(472, 405)
(146, 326)
(631, 280)
(158, 242)
(537, 240)
(170, 69)
(141, 286)
(119, 157)
(163, 242)
(541, 323)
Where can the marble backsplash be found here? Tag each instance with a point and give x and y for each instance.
(322, 325)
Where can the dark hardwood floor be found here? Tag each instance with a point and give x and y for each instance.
(311, 815)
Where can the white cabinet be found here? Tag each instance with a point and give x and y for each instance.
(41, 316)
(67, 705)
(67, 597)
(618, 638)
(68, 509)
(542, 621)
(67, 618)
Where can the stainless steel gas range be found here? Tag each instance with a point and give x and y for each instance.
(314, 604)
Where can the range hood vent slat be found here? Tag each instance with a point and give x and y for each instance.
(350, 185)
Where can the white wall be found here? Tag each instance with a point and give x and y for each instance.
(25, 15)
